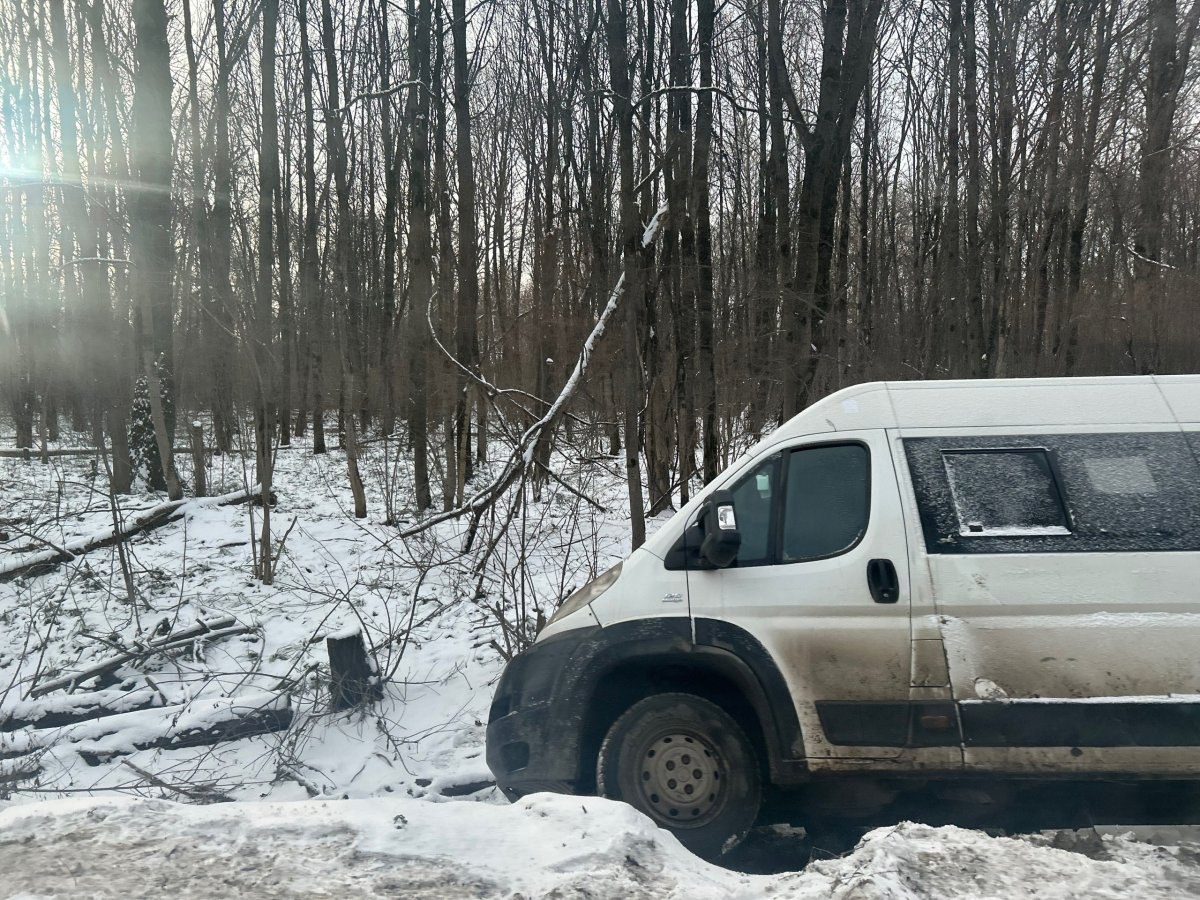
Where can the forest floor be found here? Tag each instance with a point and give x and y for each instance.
(395, 797)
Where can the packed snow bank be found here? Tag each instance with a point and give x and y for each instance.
(546, 845)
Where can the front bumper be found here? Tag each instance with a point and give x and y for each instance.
(535, 729)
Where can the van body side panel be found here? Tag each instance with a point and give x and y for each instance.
(1182, 394)
(1069, 627)
(832, 642)
(646, 589)
(1072, 646)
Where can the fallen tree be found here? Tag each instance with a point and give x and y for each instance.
(72, 708)
(37, 564)
(200, 723)
(234, 726)
(521, 458)
(215, 629)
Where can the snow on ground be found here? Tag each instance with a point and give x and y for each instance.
(393, 799)
(439, 629)
(543, 846)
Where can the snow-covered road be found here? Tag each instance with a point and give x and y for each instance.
(544, 846)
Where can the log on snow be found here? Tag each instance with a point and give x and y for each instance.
(212, 630)
(41, 563)
(78, 708)
(202, 722)
(235, 724)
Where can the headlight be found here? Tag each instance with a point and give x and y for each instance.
(589, 592)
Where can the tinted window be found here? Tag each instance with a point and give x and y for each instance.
(1004, 492)
(1119, 492)
(827, 501)
(754, 500)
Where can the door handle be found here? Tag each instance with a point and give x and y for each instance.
(882, 580)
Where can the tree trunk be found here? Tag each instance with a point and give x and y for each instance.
(420, 251)
(705, 19)
(312, 288)
(391, 206)
(848, 48)
(150, 234)
(219, 321)
(268, 187)
(1170, 46)
(468, 245)
(112, 334)
(631, 259)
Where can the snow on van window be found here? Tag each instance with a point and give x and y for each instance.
(1117, 492)
(1004, 493)
(1120, 475)
(1012, 530)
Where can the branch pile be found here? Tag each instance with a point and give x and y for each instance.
(102, 724)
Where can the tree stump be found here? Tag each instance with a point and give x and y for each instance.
(354, 679)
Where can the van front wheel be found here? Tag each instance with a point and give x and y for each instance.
(685, 763)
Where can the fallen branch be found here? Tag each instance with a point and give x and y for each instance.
(39, 564)
(213, 630)
(522, 454)
(200, 723)
(200, 793)
(24, 770)
(234, 725)
(73, 708)
(580, 494)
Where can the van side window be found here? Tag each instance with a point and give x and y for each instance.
(1005, 492)
(827, 501)
(1057, 493)
(754, 498)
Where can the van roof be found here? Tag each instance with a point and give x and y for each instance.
(1019, 402)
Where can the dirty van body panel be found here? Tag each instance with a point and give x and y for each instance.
(1070, 635)
(832, 640)
(557, 698)
(1012, 659)
(532, 736)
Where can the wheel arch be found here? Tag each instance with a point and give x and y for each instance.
(729, 667)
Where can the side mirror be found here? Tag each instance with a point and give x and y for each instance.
(721, 536)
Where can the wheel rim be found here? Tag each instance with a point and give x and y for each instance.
(681, 778)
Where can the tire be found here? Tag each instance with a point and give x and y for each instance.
(651, 759)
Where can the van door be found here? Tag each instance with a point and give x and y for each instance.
(1064, 569)
(821, 581)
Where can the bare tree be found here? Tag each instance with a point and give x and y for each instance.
(150, 233)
